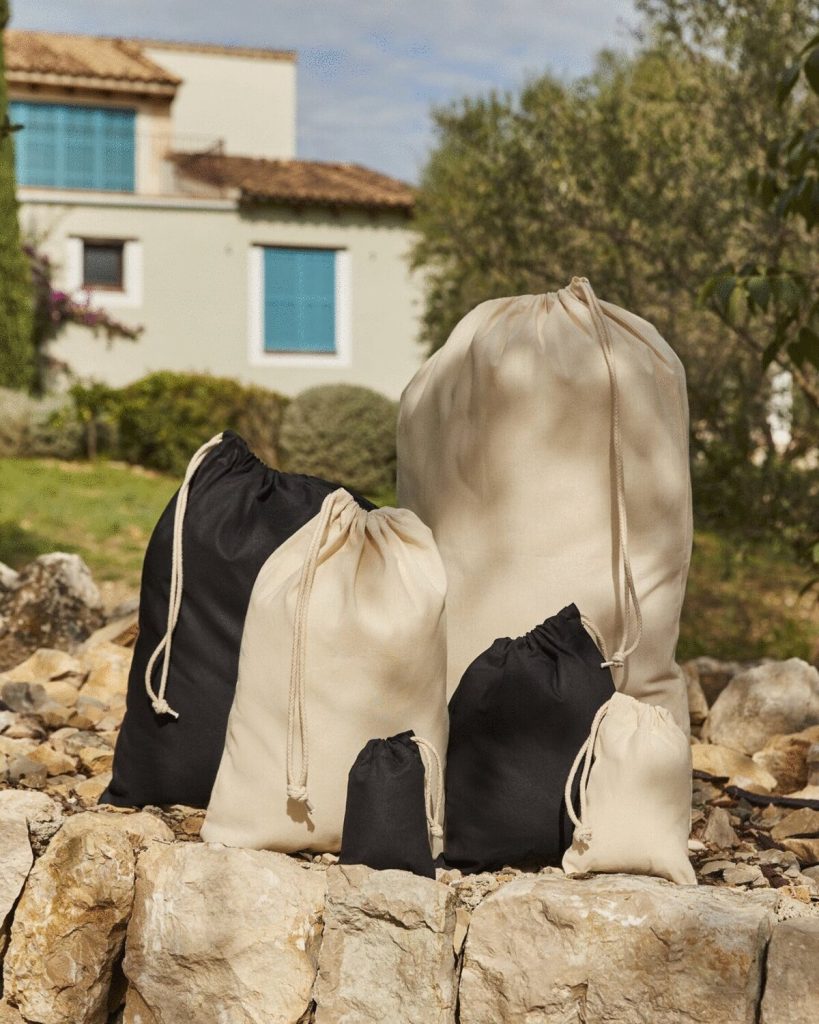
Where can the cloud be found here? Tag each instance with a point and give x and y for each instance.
(370, 70)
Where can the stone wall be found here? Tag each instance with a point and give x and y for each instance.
(110, 916)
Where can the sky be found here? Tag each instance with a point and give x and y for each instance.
(369, 71)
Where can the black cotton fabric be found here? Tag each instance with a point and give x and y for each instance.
(385, 820)
(239, 511)
(519, 716)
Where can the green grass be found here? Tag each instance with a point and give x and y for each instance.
(102, 511)
(742, 600)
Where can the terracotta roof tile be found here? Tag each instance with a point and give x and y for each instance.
(82, 57)
(298, 181)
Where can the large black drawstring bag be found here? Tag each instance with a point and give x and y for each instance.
(202, 560)
(390, 814)
(521, 712)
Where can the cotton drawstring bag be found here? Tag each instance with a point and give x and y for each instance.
(521, 711)
(546, 445)
(229, 514)
(344, 640)
(635, 794)
(394, 805)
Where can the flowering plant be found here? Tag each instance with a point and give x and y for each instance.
(54, 308)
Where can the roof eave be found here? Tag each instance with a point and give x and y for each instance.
(248, 198)
(128, 87)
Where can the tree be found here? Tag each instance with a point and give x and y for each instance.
(775, 307)
(17, 361)
(636, 177)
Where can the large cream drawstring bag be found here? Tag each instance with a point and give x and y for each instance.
(344, 641)
(635, 795)
(546, 446)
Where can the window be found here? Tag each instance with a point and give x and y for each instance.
(299, 300)
(110, 266)
(103, 265)
(67, 146)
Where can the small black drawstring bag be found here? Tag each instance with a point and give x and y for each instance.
(521, 712)
(390, 815)
(230, 513)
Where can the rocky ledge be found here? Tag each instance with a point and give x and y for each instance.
(123, 916)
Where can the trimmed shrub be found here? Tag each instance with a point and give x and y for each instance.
(342, 432)
(162, 419)
(37, 427)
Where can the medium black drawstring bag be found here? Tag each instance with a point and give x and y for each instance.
(391, 815)
(229, 514)
(516, 721)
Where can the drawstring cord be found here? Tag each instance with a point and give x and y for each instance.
(433, 808)
(582, 830)
(618, 659)
(297, 781)
(157, 699)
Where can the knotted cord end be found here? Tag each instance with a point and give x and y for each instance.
(162, 707)
(300, 795)
(435, 830)
(583, 835)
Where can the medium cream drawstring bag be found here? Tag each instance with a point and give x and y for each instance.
(546, 446)
(635, 795)
(344, 640)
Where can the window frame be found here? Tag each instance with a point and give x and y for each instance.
(104, 243)
(258, 355)
(131, 295)
(63, 141)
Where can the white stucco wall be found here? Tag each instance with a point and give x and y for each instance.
(195, 296)
(249, 102)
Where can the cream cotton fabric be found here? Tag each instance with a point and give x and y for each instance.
(344, 641)
(635, 795)
(506, 449)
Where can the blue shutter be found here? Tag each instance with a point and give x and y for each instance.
(299, 300)
(67, 146)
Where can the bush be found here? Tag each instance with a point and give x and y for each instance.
(344, 433)
(37, 427)
(160, 420)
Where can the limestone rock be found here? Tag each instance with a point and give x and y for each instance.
(23, 697)
(614, 949)
(713, 675)
(697, 704)
(16, 859)
(54, 761)
(109, 665)
(121, 629)
(89, 791)
(739, 769)
(812, 764)
(242, 927)
(24, 770)
(95, 760)
(786, 758)
(32, 807)
(792, 993)
(718, 830)
(9, 1015)
(806, 850)
(44, 665)
(55, 604)
(801, 822)
(775, 698)
(742, 874)
(9, 578)
(13, 747)
(69, 926)
(387, 952)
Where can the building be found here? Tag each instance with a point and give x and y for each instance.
(162, 179)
